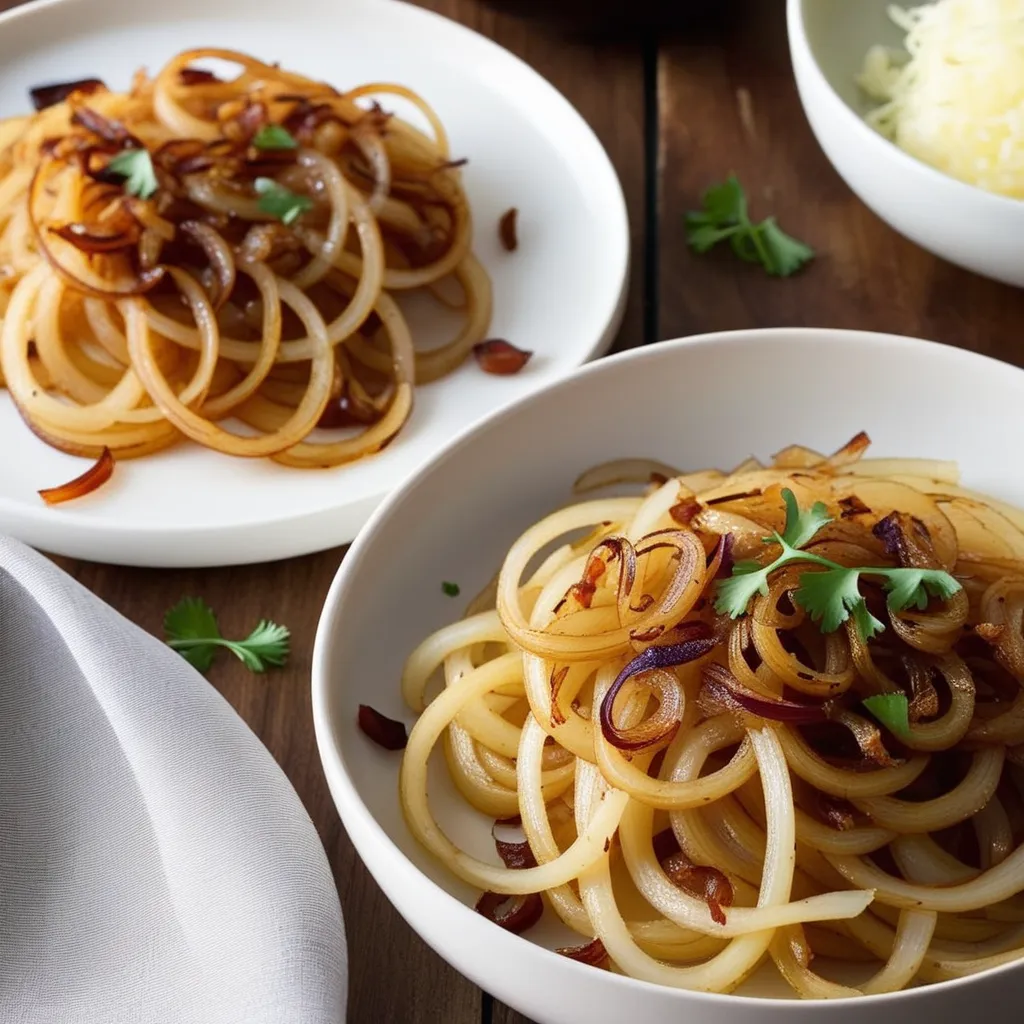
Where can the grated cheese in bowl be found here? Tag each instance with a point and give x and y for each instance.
(955, 97)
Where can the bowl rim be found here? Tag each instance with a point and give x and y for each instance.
(800, 45)
(344, 792)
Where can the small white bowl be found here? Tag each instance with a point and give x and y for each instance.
(706, 401)
(966, 225)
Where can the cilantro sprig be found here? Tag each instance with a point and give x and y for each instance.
(136, 167)
(280, 202)
(724, 216)
(192, 631)
(833, 595)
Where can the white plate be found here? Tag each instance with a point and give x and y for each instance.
(708, 401)
(561, 294)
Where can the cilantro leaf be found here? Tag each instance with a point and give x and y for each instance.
(136, 167)
(829, 596)
(913, 587)
(280, 202)
(274, 136)
(801, 525)
(892, 710)
(192, 631)
(451, 589)
(867, 625)
(724, 215)
(736, 592)
(786, 255)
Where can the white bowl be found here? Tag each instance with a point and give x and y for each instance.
(706, 401)
(979, 230)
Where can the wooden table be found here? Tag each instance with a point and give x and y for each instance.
(677, 111)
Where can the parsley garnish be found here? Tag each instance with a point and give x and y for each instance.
(274, 136)
(451, 589)
(279, 202)
(832, 596)
(724, 216)
(136, 167)
(892, 710)
(192, 630)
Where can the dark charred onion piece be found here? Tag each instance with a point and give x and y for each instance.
(685, 511)
(44, 96)
(868, 737)
(707, 884)
(513, 913)
(721, 690)
(906, 539)
(384, 731)
(92, 479)
(833, 811)
(108, 130)
(516, 856)
(507, 230)
(852, 506)
(500, 357)
(348, 411)
(593, 953)
(197, 76)
(219, 255)
(924, 700)
(265, 242)
(665, 657)
(93, 242)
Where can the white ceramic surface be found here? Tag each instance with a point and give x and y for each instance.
(966, 225)
(561, 294)
(707, 401)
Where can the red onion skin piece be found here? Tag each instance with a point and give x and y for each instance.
(384, 731)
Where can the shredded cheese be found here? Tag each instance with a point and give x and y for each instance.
(955, 97)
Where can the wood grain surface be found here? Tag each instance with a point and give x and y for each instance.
(677, 109)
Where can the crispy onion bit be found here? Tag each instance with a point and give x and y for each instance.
(722, 691)
(906, 539)
(516, 856)
(384, 731)
(593, 953)
(500, 357)
(197, 76)
(507, 230)
(851, 451)
(852, 506)
(833, 811)
(107, 129)
(707, 884)
(868, 737)
(685, 511)
(654, 658)
(513, 913)
(44, 96)
(92, 479)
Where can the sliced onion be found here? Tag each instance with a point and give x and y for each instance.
(685, 511)
(366, 136)
(92, 479)
(384, 731)
(44, 96)
(513, 913)
(593, 953)
(623, 471)
(707, 884)
(516, 856)
(722, 691)
(500, 357)
(507, 230)
(652, 659)
(94, 242)
(218, 252)
(106, 128)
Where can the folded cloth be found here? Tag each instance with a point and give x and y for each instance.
(156, 866)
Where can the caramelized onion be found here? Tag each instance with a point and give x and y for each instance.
(654, 658)
(384, 731)
(107, 129)
(93, 242)
(507, 230)
(685, 511)
(722, 691)
(516, 856)
(513, 913)
(92, 479)
(500, 357)
(219, 254)
(197, 76)
(44, 96)
(707, 884)
(593, 953)
(833, 811)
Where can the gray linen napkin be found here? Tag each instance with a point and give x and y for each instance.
(156, 867)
